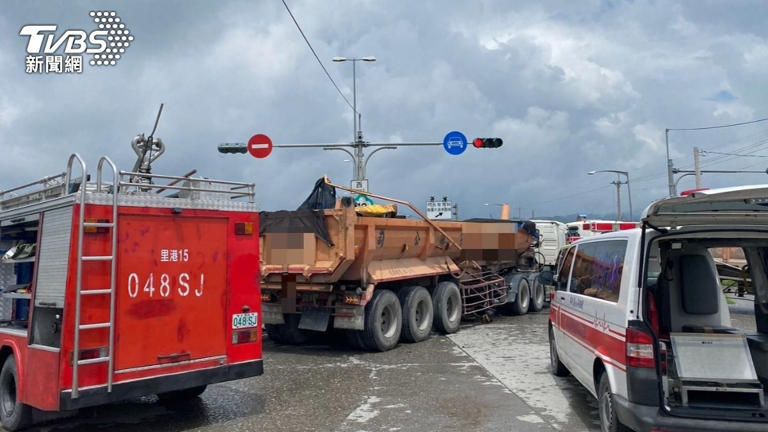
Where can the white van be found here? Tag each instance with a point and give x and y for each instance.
(640, 319)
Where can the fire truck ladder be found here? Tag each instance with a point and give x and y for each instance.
(112, 226)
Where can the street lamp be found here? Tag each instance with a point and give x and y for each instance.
(618, 184)
(355, 132)
(359, 180)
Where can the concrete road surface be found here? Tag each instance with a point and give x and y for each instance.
(489, 377)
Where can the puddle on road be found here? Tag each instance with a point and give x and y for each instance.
(515, 350)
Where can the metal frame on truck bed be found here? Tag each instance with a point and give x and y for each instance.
(116, 289)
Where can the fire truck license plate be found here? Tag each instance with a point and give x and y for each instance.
(245, 320)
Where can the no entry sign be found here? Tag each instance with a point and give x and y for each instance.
(259, 146)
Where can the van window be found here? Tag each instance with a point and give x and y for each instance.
(565, 271)
(597, 269)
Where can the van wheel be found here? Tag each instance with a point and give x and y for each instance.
(537, 300)
(181, 395)
(383, 321)
(446, 303)
(418, 312)
(609, 421)
(14, 415)
(523, 298)
(558, 368)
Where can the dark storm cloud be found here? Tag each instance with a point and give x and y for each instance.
(569, 86)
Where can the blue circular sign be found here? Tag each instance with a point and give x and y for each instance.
(455, 143)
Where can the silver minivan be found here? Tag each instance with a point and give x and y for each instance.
(651, 324)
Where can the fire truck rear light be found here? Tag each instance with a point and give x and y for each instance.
(245, 336)
(586, 227)
(639, 349)
(96, 226)
(244, 228)
(92, 355)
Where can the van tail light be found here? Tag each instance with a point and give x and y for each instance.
(639, 349)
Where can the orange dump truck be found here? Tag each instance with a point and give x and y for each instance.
(385, 278)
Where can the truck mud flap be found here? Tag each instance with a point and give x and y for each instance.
(272, 313)
(315, 319)
(349, 317)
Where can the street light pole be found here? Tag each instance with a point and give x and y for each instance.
(358, 157)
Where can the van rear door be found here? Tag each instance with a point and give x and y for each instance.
(172, 289)
(743, 205)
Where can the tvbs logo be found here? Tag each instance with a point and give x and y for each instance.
(49, 53)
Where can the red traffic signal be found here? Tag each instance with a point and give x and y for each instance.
(488, 142)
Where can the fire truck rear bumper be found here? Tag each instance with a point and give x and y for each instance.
(126, 390)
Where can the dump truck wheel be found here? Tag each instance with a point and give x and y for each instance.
(537, 296)
(523, 298)
(383, 321)
(292, 333)
(446, 302)
(355, 339)
(14, 415)
(181, 395)
(418, 312)
(274, 331)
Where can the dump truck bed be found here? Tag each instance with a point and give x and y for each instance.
(338, 245)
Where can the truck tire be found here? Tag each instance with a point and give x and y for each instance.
(355, 339)
(418, 312)
(523, 298)
(292, 333)
(181, 395)
(537, 296)
(383, 321)
(14, 415)
(288, 333)
(274, 331)
(446, 303)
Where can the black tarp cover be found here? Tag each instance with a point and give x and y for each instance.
(322, 197)
(308, 218)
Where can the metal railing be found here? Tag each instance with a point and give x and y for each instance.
(234, 189)
(60, 185)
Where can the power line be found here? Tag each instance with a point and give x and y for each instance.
(719, 126)
(316, 56)
(706, 152)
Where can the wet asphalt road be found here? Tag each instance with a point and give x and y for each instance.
(490, 377)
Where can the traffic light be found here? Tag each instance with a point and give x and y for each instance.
(233, 148)
(488, 142)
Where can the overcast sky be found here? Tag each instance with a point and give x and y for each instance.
(569, 86)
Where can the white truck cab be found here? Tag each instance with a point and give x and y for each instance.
(640, 319)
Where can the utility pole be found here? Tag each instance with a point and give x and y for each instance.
(697, 166)
(670, 167)
(618, 184)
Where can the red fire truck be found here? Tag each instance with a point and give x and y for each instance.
(129, 285)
